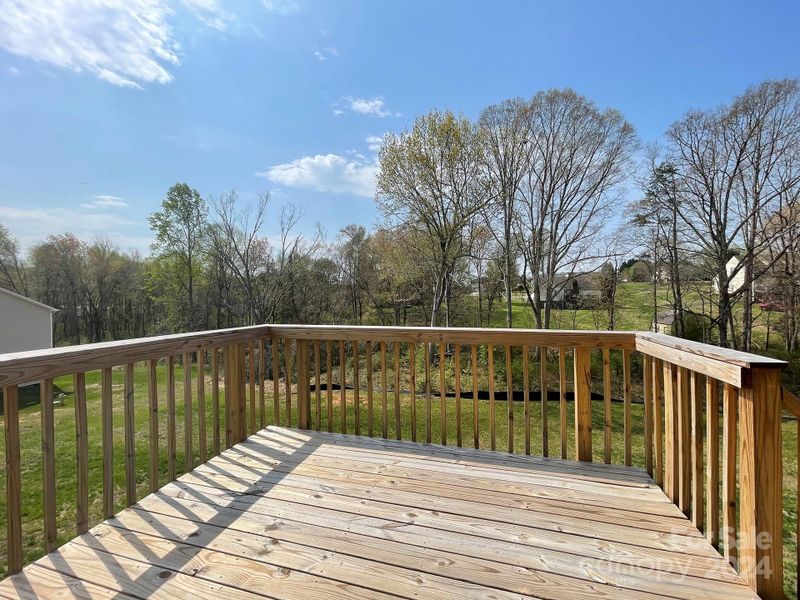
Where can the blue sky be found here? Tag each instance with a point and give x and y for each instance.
(105, 104)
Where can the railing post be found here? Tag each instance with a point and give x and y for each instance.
(13, 479)
(233, 356)
(583, 403)
(761, 478)
(303, 392)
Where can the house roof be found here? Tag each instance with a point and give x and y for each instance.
(28, 300)
(665, 318)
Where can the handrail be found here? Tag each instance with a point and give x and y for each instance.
(23, 367)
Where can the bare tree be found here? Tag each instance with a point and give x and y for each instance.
(738, 165)
(577, 158)
(235, 241)
(504, 134)
(12, 268)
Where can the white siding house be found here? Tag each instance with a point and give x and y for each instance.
(737, 281)
(24, 323)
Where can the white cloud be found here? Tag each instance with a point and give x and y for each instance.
(210, 13)
(375, 107)
(124, 42)
(281, 7)
(374, 142)
(104, 201)
(327, 173)
(33, 225)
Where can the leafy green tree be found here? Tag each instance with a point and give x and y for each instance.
(431, 183)
(180, 227)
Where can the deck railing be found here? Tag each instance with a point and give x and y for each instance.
(433, 385)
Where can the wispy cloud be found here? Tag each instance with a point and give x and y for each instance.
(375, 107)
(327, 173)
(281, 7)
(374, 142)
(33, 225)
(104, 201)
(324, 54)
(124, 42)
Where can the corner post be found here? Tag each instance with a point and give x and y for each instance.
(761, 479)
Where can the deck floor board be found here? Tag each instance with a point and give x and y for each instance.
(294, 514)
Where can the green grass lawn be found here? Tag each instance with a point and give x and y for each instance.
(635, 313)
(65, 443)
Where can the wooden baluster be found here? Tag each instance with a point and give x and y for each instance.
(370, 409)
(48, 465)
(318, 384)
(545, 411)
(475, 433)
(329, 379)
(626, 398)
(235, 415)
(412, 381)
(562, 396)
(607, 405)
(712, 466)
(262, 401)
(397, 432)
(492, 432)
(648, 414)
(287, 355)
(107, 426)
(356, 387)
(671, 433)
(457, 390)
(729, 427)
(13, 479)
(526, 396)
(172, 447)
(202, 440)
(343, 384)
(510, 399)
(583, 403)
(761, 483)
(442, 394)
(82, 452)
(214, 355)
(658, 426)
(130, 437)
(697, 452)
(152, 395)
(303, 391)
(684, 442)
(188, 452)
(428, 419)
(384, 400)
(276, 376)
(251, 378)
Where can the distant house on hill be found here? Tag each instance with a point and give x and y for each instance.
(24, 323)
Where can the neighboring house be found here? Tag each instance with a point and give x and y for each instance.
(760, 289)
(664, 323)
(737, 281)
(24, 323)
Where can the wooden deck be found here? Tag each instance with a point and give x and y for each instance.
(297, 514)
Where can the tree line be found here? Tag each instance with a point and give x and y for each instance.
(475, 213)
